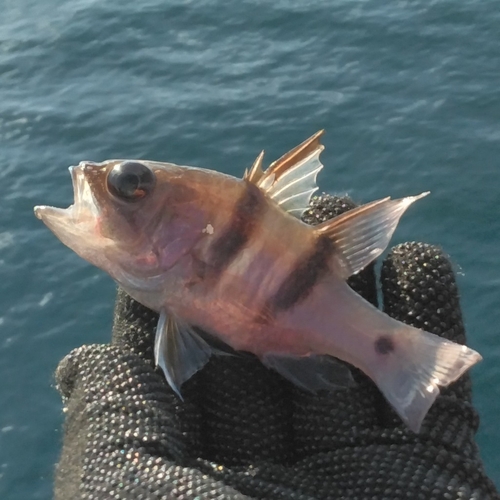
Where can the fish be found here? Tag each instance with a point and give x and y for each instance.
(231, 257)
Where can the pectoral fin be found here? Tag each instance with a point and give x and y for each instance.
(179, 351)
(312, 373)
(363, 233)
(291, 180)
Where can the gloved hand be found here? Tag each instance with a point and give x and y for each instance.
(244, 432)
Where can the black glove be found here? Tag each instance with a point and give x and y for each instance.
(244, 432)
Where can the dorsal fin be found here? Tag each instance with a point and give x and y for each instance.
(362, 234)
(297, 154)
(255, 173)
(291, 180)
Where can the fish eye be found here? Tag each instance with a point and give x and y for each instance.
(130, 181)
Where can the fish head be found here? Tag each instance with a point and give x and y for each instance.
(131, 218)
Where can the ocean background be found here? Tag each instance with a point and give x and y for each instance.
(407, 91)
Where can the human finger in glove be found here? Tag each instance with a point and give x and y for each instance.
(243, 431)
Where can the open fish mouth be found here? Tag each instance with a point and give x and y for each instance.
(79, 218)
(81, 188)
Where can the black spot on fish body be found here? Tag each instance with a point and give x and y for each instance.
(302, 279)
(384, 345)
(247, 213)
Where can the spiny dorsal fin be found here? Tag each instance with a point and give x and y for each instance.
(291, 180)
(297, 154)
(363, 233)
(255, 173)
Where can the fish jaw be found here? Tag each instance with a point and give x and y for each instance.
(78, 225)
(63, 223)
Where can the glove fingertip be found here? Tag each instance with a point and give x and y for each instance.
(419, 288)
(68, 370)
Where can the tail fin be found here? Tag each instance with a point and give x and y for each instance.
(410, 375)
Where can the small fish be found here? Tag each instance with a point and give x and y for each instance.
(232, 257)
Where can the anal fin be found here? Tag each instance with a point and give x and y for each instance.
(312, 373)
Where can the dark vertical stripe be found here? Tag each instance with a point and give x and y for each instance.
(247, 213)
(302, 279)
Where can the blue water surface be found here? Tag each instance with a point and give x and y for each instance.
(408, 93)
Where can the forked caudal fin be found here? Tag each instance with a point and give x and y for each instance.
(411, 367)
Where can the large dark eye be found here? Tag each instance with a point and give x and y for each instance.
(130, 181)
